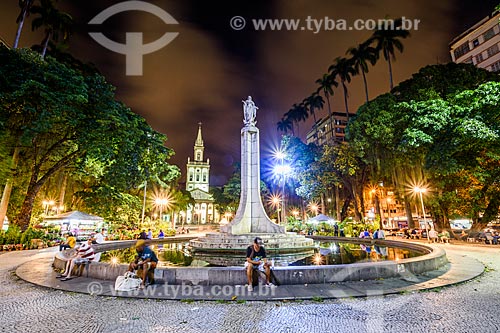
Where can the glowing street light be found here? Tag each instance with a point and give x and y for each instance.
(313, 207)
(420, 190)
(281, 171)
(161, 202)
(48, 204)
(275, 202)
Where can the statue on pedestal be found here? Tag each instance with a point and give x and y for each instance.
(249, 112)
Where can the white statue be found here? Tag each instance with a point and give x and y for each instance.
(249, 112)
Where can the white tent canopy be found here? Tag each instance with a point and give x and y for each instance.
(81, 224)
(73, 217)
(320, 218)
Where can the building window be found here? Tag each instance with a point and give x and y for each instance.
(475, 42)
(492, 50)
(495, 67)
(468, 61)
(198, 156)
(489, 34)
(479, 58)
(461, 50)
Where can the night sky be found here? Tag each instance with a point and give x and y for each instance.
(205, 73)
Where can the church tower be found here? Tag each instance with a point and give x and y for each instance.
(197, 183)
(198, 171)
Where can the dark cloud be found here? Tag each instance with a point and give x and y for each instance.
(203, 75)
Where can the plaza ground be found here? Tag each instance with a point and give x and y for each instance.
(472, 306)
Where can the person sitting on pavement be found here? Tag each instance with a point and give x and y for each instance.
(444, 236)
(161, 234)
(143, 235)
(84, 254)
(433, 235)
(146, 260)
(414, 234)
(495, 238)
(256, 258)
(407, 234)
(379, 234)
(69, 244)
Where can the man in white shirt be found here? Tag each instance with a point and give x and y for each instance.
(98, 238)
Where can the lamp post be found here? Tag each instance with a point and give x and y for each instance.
(421, 190)
(314, 208)
(281, 171)
(161, 202)
(45, 207)
(275, 202)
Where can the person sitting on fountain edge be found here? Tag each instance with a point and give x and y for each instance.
(256, 258)
(146, 260)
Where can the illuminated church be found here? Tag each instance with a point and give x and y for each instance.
(197, 183)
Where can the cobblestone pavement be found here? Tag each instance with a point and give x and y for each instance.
(469, 307)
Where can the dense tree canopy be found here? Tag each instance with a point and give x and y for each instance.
(63, 118)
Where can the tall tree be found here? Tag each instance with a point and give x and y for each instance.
(343, 68)
(296, 114)
(64, 118)
(313, 103)
(25, 6)
(387, 40)
(285, 125)
(53, 21)
(361, 56)
(326, 82)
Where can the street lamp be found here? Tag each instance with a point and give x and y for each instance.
(421, 190)
(45, 206)
(275, 202)
(281, 171)
(161, 202)
(314, 208)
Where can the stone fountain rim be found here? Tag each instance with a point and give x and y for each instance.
(432, 260)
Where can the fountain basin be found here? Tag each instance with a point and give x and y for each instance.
(432, 259)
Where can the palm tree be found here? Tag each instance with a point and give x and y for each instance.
(343, 68)
(53, 20)
(25, 6)
(296, 114)
(387, 41)
(312, 103)
(326, 82)
(285, 125)
(361, 55)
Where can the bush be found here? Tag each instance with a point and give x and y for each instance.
(30, 234)
(13, 235)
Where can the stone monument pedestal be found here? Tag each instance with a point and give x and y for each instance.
(251, 219)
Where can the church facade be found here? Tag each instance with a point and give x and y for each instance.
(197, 183)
